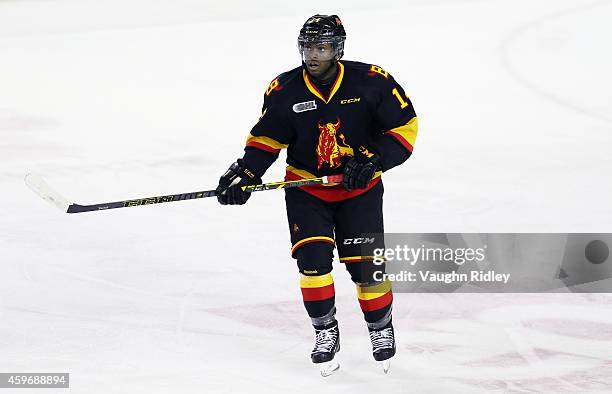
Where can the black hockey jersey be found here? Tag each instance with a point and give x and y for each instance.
(365, 110)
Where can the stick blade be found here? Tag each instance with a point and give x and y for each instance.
(40, 187)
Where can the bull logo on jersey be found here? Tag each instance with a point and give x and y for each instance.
(332, 146)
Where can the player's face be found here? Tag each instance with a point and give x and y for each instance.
(318, 57)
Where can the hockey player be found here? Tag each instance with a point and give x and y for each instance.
(333, 117)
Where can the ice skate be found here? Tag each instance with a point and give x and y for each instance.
(327, 344)
(383, 346)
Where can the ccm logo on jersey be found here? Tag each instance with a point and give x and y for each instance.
(351, 100)
(357, 241)
(305, 106)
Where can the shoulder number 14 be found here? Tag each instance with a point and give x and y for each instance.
(396, 93)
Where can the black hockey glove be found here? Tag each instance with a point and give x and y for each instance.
(360, 169)
(229, 191)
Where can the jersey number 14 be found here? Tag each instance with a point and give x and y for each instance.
(403, 103)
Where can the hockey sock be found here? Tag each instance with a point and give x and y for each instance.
(375, 300)
(319, 298)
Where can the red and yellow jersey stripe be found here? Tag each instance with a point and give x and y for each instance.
(336, 85)
(330, 192)
(406, 134)
(265, 143)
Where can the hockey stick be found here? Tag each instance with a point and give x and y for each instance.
(40, 187)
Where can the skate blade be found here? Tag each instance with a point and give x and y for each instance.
(386, 365)
(328, 368)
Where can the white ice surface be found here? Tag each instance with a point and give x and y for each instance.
(113, 99)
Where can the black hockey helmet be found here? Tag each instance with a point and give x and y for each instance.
(323, 29)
